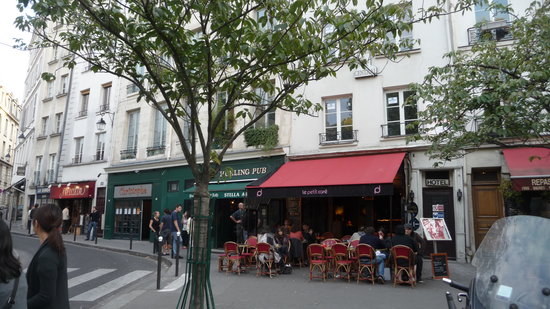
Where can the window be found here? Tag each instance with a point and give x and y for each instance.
(78, 147)
(132, 141)
(50, 177)
(405, 39)
(484, 14)
(49, 89)
(159, 138)
(37, 169)
(173, 186)
(268, 119)
(401, 113)
(58, 122)
(100, 147)
(54, 53)
(338, 119)
(44, 130)
(85, 96)
(224, 131)
(105, 97)
(63, 87)
(6, 127)
(327, 38)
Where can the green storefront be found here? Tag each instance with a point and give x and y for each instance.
(133, 196)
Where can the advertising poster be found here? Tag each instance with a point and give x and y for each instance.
(435, 229)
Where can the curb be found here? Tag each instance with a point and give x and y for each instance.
(164, 260)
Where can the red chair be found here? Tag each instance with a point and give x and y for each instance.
(366, 260)
(232, 257)
(265, 259)
(403, 259)
(317, 261)
(354, 243)
(346, 238)
(249, 250)
(341, 261)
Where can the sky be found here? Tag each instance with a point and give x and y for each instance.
(13, 63)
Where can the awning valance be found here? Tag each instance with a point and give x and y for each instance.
(221, 190)
(529, 168)
(369, 175)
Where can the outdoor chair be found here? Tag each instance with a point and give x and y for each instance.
(317, 261)
(265, 259)
(403, 260)
(233, 257)
(366, 261)
(342, 263)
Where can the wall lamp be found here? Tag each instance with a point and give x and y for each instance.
(411, 196)
(459, 195)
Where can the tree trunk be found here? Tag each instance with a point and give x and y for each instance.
(197, 293)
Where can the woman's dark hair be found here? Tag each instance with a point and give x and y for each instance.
(49, 219)
(9, 265)
(295, 229)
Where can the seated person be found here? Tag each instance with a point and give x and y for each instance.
(371, 239)
(269, 239)
(281, 246)
(296, 239)
(401, 239)
(357, 235)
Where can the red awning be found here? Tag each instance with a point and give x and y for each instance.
(73, 190)
(529, 168)
(342, 176)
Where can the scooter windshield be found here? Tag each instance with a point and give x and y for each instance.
(513, 264)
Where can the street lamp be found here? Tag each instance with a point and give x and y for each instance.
(21, 137)
(101, 124)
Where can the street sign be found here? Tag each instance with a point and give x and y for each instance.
(415, 223)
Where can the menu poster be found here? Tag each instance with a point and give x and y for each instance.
(435, 229)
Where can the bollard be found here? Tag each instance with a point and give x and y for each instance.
(131, 238)
(159, 260)
(177, 255)
(95, 234)
(74, 232)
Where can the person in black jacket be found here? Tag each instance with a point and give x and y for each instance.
(421, 244)
(10, 271)
(47, 272)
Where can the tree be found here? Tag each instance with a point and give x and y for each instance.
(183, 54)
(493, 94)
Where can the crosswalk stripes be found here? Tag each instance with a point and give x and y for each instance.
(89, 276)
(111, 286)
(176, 284)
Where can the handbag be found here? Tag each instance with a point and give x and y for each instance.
(11, 300)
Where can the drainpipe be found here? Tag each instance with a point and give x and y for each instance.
(61, 138)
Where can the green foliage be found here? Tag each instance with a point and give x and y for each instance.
(497, 93)
(267, 138)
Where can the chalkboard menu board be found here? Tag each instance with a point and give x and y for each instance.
(440, 267)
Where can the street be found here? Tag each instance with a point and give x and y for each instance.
(94, 274)
(101, 278)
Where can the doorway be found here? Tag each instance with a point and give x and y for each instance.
(145, 217)
(487, 201)
(443, 197)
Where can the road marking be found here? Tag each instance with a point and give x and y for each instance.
(111, 286)
(89, 276)
(72, 269)
(176, 284)
(122, 300)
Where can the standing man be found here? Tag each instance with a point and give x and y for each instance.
(239, 217)
(420, 244)
(66, 219)
(94, 220)
(176, 230)
(31, 216)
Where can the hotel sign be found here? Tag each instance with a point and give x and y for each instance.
(144, 190)
(437, 182)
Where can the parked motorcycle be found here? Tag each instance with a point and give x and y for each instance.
(512, 267)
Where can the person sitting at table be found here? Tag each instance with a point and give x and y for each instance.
(296, 240)
(281, 246)
(357, 235)
(268, 238)
(287, 226)
(372, 239)
(401, 239)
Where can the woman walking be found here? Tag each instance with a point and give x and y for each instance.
(10, 273)
(47, 272)
(154, 226)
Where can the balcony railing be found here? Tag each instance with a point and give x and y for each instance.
(99, 156)
(395, 129)
(77, 159)
(155, 150)
(498, 31)
(340, 137)
(83, 113)
(50, 176)
(104, 108)
(128, 153)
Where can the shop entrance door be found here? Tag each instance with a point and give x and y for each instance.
(441, 196)
(487, 201)
(145, 218)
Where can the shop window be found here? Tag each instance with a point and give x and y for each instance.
(173, 186)
(485, 176)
